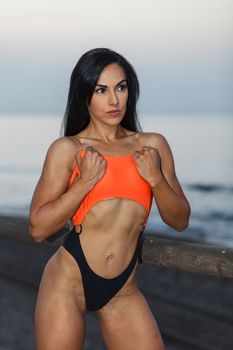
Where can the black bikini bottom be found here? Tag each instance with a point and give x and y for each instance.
(99, 290)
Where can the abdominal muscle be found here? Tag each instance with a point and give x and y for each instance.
(109, 235)
(111, 228)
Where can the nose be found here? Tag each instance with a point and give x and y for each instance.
(113, 99)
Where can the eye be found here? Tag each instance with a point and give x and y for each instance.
(122, 87)
(100, 90)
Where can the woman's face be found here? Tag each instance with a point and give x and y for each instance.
(109, 99)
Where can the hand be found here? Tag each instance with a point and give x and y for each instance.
(148, 163)
(92, 166)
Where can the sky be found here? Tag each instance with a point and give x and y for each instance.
(182, 51)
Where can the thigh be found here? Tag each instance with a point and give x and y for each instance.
(59, 323)
(128, 324)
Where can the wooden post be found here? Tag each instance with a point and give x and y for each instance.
(201, 258)
(193, 257)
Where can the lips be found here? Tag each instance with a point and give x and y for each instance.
(114, 111)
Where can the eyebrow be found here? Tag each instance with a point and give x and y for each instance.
(105, 86)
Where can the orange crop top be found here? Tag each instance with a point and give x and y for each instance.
(121, 180)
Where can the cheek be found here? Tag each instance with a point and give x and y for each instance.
(124, 98)
(95, 104)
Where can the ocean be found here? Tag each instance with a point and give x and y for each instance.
(202, 151)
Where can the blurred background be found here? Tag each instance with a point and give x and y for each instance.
(182, 52)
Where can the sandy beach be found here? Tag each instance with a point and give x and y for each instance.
(193, 311)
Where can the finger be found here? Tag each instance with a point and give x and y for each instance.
(139, 149)
(151, 149)
(92, 150)
(136, 155)
(78, 158)
(77, 155)
(89, 149)
(140, 152)
(147, 147)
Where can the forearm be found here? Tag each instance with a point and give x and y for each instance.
(174, 210)
(53, 215)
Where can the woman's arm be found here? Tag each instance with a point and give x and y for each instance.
(53, 204)
(172, 204)
(159, 170)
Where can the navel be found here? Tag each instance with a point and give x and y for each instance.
(109, 257)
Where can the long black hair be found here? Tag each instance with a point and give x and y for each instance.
(82, 84)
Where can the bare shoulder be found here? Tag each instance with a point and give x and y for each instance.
(153, 139)
(62, 151)
(56, 172)
(62, 146)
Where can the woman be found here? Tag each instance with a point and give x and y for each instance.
(103, 175)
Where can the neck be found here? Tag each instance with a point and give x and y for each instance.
(105, 133)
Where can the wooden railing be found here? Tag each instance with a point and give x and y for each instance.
(166, 252)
